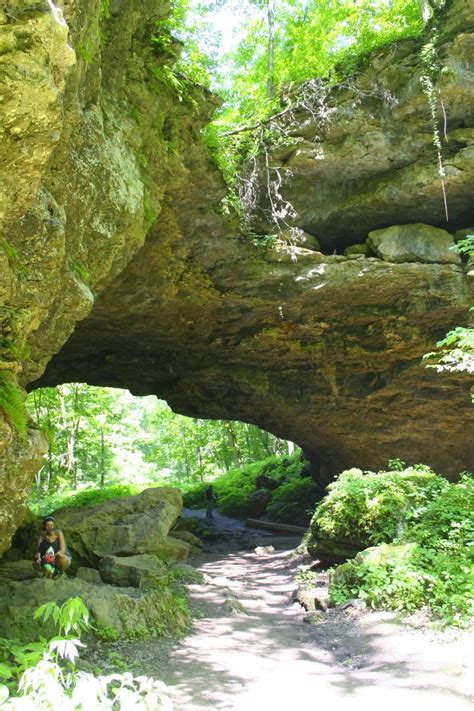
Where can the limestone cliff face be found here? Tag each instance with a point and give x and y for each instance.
(118, 258)
(91, 138)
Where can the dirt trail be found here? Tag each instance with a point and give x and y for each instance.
(251, 650)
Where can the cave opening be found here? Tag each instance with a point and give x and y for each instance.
(104, 442)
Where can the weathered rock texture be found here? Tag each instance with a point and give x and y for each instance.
(127, 544)
(121, 612)
(128, 526)
(117, 242)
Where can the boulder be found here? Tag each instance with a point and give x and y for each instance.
(299, 238)
(361, 249)
(414, 243)
(257, 502)
(17, 570)
(90, 575)
(137, 571)
(174, 549)
(330, 551)
(187, 537)
(186, 574)
(375, 555)
(127, 526)
(312, 599)
(462, 234)
(128, 612)
(192, 524)
(12, 555)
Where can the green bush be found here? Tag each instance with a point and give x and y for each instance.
(12, 402)
(234, 488)
(86, 497)
(43, 674)
(193, 498)
(437, 572)
(366, 509)
(293, 502)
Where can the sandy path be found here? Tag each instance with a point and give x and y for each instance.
(250, 649)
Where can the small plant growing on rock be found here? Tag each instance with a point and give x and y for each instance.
(12, 402)
(39, 672)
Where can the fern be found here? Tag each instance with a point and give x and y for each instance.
(12, 402)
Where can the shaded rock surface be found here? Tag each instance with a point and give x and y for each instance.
(414, 243)
(120, 261)
(17, 570)
(133, 571)
(129, 612)
(319, 348)
(126, 526)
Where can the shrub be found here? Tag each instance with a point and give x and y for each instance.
(193, 498)
(435, 572)
(293, 502)
(86, 497)
(12, 402)
(43, 674)
(234, 488)
(365, 508)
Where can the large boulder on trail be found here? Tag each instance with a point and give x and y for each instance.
(128, 526)
(375, 556)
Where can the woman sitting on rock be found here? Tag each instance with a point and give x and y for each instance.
(52, 557)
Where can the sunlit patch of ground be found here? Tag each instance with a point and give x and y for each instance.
(251, 650)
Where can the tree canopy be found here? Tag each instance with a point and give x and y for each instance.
(103, 436)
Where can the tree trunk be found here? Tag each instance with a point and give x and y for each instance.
(425, 9)
(271, 47)
(102, 457)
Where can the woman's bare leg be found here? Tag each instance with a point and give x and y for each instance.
(62, 563)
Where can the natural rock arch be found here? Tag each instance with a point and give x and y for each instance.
(128, 271)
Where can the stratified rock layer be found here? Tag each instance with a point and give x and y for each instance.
(120, 245)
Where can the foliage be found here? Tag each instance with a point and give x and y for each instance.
(12, 256)
(70, 620)
(313, 39)
(366, 508)
(455, 352)
(43, 674)
(86, 497)
(103, 436)
(72, 616)
(234, 488)
(315, 45)
(185, 39)
(12, 402)
(293, 502)
(436, 542)
(431, 69)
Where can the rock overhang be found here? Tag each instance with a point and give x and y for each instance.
(146, 284)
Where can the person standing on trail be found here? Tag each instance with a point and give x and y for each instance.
(210, 499)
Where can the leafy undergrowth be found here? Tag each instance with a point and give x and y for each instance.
(423, 529)
(86, 497)
(368, 508)
(44, 674)
(292, 496)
